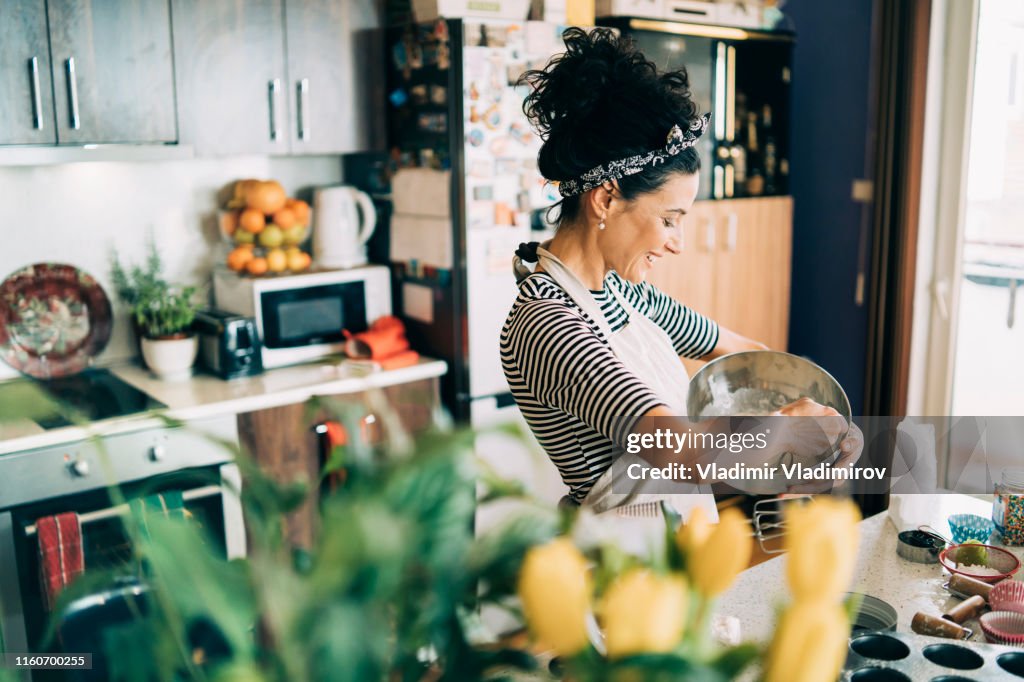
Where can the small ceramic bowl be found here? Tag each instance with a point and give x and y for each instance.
(1003, 627)
(1007, 596)
(966, 527)
(982, 562)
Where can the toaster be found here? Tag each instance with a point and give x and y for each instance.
(229, 345)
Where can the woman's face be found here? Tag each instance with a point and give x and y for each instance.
(640, 231)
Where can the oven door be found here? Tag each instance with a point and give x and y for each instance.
(210, 496)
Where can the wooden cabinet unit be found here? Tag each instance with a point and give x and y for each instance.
(735, 266)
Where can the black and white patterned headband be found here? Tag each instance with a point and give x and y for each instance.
(675, 142)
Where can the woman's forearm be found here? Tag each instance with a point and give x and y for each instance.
(731, 342)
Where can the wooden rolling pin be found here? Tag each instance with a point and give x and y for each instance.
(967, 609)
(934, 626)
(969, 586)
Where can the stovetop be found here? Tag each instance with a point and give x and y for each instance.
(91, 395)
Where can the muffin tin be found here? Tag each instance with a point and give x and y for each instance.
(880, 656)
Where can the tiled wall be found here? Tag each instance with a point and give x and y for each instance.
(80, 213)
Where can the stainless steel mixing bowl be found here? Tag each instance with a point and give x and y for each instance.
(790, 377)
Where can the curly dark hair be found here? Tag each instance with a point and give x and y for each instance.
(602, 100)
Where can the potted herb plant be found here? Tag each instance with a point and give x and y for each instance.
(162, 314)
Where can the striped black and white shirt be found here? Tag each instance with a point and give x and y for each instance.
(566, 379)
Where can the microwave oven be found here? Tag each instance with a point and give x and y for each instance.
(302, 317)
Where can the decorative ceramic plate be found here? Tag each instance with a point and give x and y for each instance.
(54, 319)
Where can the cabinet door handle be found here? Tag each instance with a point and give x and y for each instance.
(303, 107)
(709, 235)
(73, 94)
(37, 102)
(731, 234)
(273, 88)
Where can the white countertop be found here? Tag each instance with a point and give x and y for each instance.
(880, 572)
(203, 396)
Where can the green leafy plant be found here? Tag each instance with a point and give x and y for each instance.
(158, 308)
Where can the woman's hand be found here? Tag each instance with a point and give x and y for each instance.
(823, 429)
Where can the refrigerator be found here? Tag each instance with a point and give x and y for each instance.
(743, 76)
(464, 192)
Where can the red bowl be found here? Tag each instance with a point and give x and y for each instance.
(1007, 596)
(1003, 627)
(1000, 564)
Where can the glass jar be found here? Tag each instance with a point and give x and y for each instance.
(1008, 507)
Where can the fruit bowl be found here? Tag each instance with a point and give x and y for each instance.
(268, 234)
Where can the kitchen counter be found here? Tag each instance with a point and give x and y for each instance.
(203, 396)
(880, 572)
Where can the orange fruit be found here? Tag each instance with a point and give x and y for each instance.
(229, 222)
(239, 257)
(285, 218)
(266, 197)
(276, 260)
(301, 211)
(256, 266)
(252, 220)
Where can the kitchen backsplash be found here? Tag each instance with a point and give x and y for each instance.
(80, 213)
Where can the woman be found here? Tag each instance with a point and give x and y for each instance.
(588, 340)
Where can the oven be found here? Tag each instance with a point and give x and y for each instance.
(77, 477)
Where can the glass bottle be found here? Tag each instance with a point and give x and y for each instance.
(1008, 507)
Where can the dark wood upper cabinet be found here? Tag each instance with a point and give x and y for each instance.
(113, 71)
(26, 89)
(275, 76)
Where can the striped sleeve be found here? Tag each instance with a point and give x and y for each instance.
(693, 335)
(566, 365)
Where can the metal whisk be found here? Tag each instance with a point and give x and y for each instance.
(770, 520)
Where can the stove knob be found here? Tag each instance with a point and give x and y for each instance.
(79, 468)
(157, 453)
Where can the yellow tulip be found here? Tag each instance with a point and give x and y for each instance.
(809, 644)
(821, 544)
(643, 612)
(555, 592)
(716, 562)
(694, 533)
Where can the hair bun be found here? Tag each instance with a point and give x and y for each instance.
(602, 100)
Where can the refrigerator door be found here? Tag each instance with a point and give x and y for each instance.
(501, 184)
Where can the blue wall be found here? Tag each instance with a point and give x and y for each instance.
(830, 125)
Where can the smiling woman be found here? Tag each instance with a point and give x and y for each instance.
(590, 349)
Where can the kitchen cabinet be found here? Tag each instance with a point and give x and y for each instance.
(282, 442)
(113, 74)
(274, 76)
(26, 88)
(735, 266)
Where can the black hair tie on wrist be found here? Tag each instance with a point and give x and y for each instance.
(527, 252)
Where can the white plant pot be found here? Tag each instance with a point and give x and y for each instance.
(170, 359)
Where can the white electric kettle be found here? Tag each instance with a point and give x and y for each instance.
(343, 221)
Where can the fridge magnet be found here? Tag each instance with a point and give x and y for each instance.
(499, 145)
(492, 117)
(475, 137)
(418, 94)
(496, 35)
(503, 214)
(398, 97)
(415, 54)
(438, 94)
(441, 30)
(483, 193)
(507, 167)
(399, 56)
(481, 168)
(480, 214)
(521, 133)
(433, 123)
(444, 56)
(473, 34)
